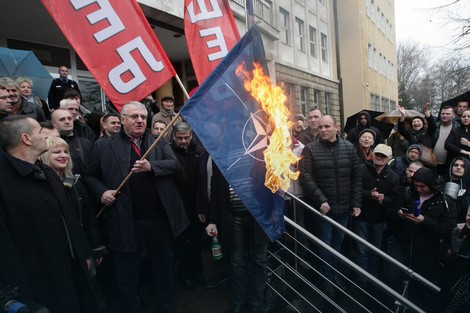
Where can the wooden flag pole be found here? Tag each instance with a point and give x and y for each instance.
(152, 146)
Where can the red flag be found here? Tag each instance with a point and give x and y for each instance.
(117, 45)
(210, 31)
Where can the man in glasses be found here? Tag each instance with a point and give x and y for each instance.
(5, 103)
(146, 213)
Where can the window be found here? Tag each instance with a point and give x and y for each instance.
(327, 107)
(312, 33)
(316, 97)
(284, 26)
(299, 39)
(374, 102)
(303, 100)
(324, 47)
(375, 60)
(380, 63)
(370, 55)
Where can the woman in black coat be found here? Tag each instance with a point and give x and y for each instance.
(418, 133)
(458, 141)
(59, 159)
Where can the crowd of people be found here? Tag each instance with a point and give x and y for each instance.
(415, 208)
(73, 194)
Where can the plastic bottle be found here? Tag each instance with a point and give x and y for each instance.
(216, 247)
(417, 209)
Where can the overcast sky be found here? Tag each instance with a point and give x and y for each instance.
(418, 20)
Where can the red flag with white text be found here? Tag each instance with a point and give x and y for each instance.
(210, 32)
(117, 45)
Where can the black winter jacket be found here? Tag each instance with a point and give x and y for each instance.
(330, 172)
(439, 220)
(386, 182)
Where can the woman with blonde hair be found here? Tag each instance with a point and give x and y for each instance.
(26, 91)
(59, 159)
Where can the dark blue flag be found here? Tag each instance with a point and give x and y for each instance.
(234, 129)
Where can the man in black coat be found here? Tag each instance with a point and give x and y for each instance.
(44, 248)
(188, 182)
(330, 176)
(59, 86)
(380, 192)
(148, 211)
(363, 122)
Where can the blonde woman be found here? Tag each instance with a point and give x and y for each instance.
(26, 91)
(59, 159)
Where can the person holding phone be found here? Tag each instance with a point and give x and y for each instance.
(417, 237)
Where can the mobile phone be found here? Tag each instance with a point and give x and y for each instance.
(405, 210)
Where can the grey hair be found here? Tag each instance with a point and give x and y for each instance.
(182, 127)
(65, 102)
(7, 81)
(136, 104)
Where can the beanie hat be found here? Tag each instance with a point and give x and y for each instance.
(368, 130)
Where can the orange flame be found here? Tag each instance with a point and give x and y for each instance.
(278, 155)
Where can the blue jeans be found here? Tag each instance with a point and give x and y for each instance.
(248, 263)
(373, 233)
(155, 234)
(332, 237)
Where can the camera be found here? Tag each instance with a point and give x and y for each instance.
(10, 304)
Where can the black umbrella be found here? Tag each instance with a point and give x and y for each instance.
(453, 102)
(385, 128)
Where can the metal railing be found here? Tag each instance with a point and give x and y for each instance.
(293, 282)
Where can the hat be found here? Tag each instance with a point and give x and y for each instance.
(368, 130)
(383, 149)
(417, 117)
(168, 97)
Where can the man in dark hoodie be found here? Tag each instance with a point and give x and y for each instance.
(425, 219)
(363, 122)
(400, 164)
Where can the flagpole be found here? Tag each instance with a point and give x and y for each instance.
(152, 146)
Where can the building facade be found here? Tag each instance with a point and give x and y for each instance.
(367, 54)
(313, 47)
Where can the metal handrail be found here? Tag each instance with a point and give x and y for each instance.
(354, 266)
(403, 267)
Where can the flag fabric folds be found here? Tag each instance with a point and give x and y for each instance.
(234, 130)
(117, 45)
(210, 32)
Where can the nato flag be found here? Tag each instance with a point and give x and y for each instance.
(235, 131)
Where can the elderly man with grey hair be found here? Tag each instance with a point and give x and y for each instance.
(148, 212)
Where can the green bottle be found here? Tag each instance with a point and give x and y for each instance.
(216, 248)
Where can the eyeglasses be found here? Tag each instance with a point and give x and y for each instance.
(136, 116)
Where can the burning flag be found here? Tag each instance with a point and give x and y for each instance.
(234, 129)
(278, 155)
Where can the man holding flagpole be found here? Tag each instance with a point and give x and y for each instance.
(148, 211)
